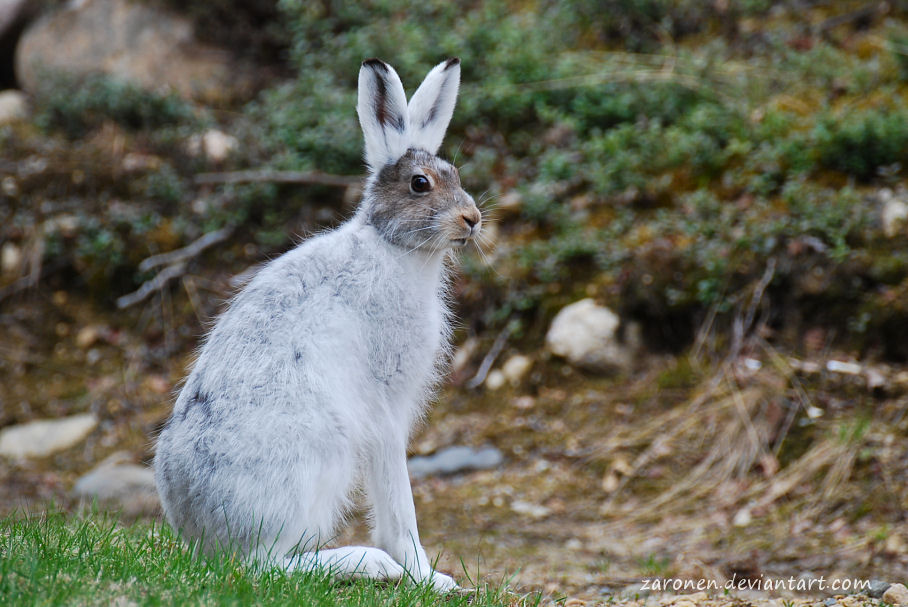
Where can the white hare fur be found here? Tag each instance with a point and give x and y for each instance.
(310, 384)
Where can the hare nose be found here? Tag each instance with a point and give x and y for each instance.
(471, 219)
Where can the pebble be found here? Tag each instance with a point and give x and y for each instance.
(530, 509)
(830, 602)
(86, 337)
(451, 460)
(877, 588)
(516, 367)
(894, 214)
(214, 144)
(126, 487)
(13, 106)
(495, 380)
(46, 436)
(586, 334)
(896, 594)
(10, 258)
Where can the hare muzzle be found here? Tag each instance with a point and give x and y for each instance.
(469, 222)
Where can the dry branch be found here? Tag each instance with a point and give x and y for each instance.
(155, 284)
(187, 252)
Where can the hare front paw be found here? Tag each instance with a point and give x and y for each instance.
(377, 564)
(441, 583)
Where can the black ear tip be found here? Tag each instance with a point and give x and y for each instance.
(376, 64)
(452, 62)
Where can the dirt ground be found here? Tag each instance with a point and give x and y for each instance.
(761, 466)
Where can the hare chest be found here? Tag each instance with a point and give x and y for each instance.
(405, 339)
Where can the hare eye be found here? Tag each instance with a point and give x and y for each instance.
(420, 184)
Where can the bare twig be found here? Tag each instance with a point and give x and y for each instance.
(743, 324)
(490, 357)
(187, 252)
(268, 176)
(152, 286)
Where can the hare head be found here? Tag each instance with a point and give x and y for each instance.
(413, 197)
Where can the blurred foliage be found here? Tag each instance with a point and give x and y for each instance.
(664, 154)
(78, 105)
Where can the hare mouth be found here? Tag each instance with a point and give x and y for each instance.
(459, 242)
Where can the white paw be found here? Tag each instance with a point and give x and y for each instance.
(441, 582)
(377, 565)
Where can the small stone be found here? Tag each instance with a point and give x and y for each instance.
(895, 545)
(536, 511)
(134, 161)
(516, 367)
(896, 594)
(43, 437)
(10, 258)
(214, 144)
(125, 487)
(454, 459)
(610, 482)
(13, 107)
(875, 379)
(894, 214)
(846, 368)
(524, 402)
(830, 602)
(495, 380)
(742, 518)
(586, 334)
(9, 186)
(573, 544)
(87, 336)
(814, 412)
(877, 588)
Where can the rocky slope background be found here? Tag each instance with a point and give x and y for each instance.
(683, 347)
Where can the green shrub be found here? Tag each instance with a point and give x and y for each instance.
(76, 106)
(859, 143)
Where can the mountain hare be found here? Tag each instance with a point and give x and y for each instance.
(311, 382)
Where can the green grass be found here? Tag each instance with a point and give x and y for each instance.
(58, 559)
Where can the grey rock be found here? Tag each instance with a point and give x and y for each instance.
(877, 588)
(44, 437)
(141, 43)
(125, 487)
(587, 335)
(830, 602)
(455, 459)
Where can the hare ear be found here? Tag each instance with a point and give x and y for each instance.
(432, 105)
(382, 109)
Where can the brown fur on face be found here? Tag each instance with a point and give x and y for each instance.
(443, 217)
